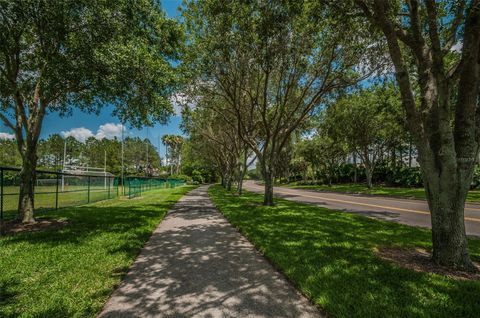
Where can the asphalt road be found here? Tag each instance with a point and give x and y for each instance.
(405, 211)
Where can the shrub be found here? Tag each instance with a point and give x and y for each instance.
(383, 174)
(197, 177)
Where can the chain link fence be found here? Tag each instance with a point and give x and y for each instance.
(54, 190)
(135, 186)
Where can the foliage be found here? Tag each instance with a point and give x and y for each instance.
(60, 55)
(398, 176)
(272, 64)
(91, 153)
(197, 176)
(9, 155)
(214, 141)
(174, 145)
(76, 69)
(367, 121)
(434, 47)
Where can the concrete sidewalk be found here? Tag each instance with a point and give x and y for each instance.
(197, 265)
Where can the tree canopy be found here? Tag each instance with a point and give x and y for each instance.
(57, 55)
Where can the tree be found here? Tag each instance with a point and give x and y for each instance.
(323, 151)
(273, 62)
(9, 155)
(61, 54)
(135, 155)
(363, 121)
(435, 50)
(50, 152)
(215, 141)
(174, 151)
(196, 163)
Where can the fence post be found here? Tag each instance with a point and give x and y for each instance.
(88, 192)
(56, 191)
(1, 195)
(109, 181)
(129, 189)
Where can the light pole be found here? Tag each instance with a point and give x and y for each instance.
(64, 162)
(105, 169)
(123, 180)
(147, 144)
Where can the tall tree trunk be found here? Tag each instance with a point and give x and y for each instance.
(240, 183)
(229, 183)
(243, 170)
(410, 153)
(268, 176)
(394, 158)
(26, 198)
(446, 203)
(268, 195)
(355, 172)
(444, 153)
(368, 173)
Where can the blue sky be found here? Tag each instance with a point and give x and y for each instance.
(83, 124)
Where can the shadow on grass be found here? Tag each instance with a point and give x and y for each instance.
(7, 292)
(71, 271)
(329, 256)
(201, 267)
(90, 220)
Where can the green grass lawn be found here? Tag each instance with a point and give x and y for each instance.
(329, 256)
(72, 271)
(45, 197)
(418, 193)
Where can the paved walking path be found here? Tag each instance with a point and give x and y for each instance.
(197, 265)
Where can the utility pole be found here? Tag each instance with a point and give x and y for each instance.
(147, 144)
(64, 163)
(160, 164)
(105, 168)
(123, 180)
(167, 160)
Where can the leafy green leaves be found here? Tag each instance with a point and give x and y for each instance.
(89, 53)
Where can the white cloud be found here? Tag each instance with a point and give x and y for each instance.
(81, 134)
(457, 47)
(178, 100)
(109, 131)
(182, 100)
(8, 136)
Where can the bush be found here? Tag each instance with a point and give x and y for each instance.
(181, 177)
(383, 174)
(476, 178)
(197, 177)
(398, 176)
(253, 174)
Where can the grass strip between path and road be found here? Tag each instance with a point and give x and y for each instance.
(70, 272)
(329, 255)
(349, 188)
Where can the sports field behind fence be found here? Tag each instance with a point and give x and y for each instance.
(56, 190)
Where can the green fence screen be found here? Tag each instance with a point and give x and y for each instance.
(135, 186)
